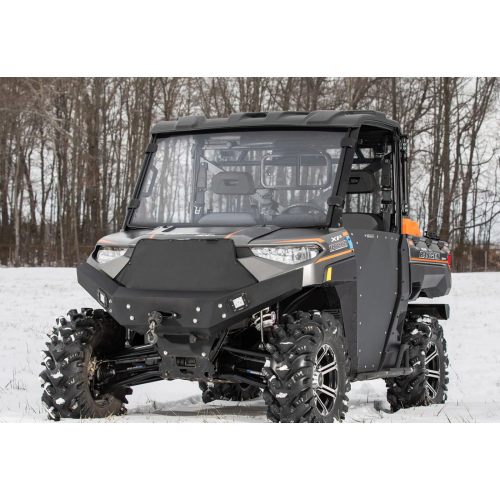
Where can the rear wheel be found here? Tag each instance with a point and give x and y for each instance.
(71, 366)
(228, 392)
(307, 374)
(427, 384)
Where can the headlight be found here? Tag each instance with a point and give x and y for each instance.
(107, 254)
(287, 255)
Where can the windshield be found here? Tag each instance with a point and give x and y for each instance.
(240, 179)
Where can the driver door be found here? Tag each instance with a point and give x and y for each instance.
(370, 219)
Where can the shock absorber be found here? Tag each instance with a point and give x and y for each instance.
(262, 320)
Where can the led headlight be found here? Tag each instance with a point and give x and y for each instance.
(107, 254)
(288, 254)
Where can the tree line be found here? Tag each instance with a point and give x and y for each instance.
(71, 150)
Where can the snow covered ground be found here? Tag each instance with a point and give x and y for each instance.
(30, 299)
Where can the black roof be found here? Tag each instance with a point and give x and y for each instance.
(325, 118)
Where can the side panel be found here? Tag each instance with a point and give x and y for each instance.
(377, 263)
(429, 270)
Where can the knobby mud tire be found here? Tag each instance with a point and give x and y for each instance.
(66, 384)
(290, 373)
(426, 339)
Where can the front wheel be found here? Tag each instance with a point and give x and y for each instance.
(71, 366)
(308, 373)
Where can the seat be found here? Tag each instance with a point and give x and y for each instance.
(360, 182)
(231, 184)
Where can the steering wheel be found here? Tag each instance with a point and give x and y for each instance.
(307, 206)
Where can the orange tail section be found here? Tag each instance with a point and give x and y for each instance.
(411, 227)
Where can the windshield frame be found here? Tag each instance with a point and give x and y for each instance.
(153, 146)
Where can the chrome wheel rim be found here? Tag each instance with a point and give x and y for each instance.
(432, 371)
(325, 380)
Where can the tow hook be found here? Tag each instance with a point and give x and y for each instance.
(154, 318)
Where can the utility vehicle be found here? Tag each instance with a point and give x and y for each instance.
(265, 252)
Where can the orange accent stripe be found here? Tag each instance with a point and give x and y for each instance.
(156, 232)
(106, 241)
(431, 260)
(235, 233)
(332, 256)
(297, 241)
(410, 242)
(345, 233)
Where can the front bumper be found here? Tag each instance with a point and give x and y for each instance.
(130, 307)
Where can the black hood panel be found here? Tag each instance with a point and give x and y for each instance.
(185, 265)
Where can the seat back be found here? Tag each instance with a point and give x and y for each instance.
(362, 181)
(233, 183)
